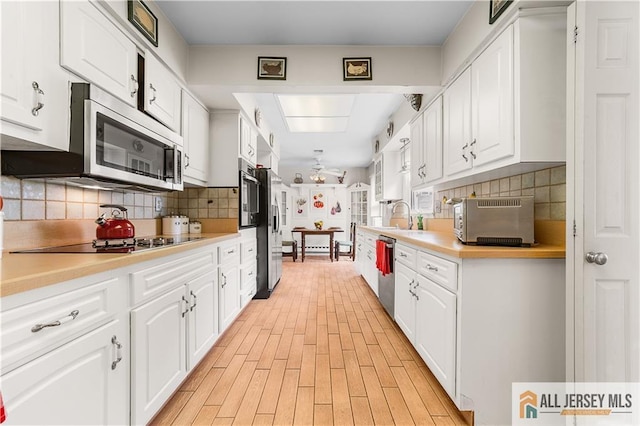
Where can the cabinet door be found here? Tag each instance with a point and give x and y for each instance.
(157, 353)
(432, 155)
(405, 302)
(435, 338)
(161, 93)
(93, 48)
(417, 150)
(203, 315)
(456, 105)
(195, 133)
(74, 384)
(22, 50)
(229, 289)
(492, 101)
(247, 141)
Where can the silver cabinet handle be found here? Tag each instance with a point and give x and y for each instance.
(224, 277)
(250, 250)
(72, 315)
(135, 86)
(466, 145)
(597, 258)
(186, 311)
(403, 255)
(186, 156)
(430, 267)
(118, 346)
(473, 154)
(231, 251)
(155, 93)
(36, 110)
(195, 301)
(250, 273)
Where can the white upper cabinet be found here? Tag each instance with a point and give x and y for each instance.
(457, 125)
(232, 136)
(388, 181)
(162, 93)
(426, 145)
(33, 85)
(95, 49)
(195, 134)
(508, 108)
(492, 102)
(248, 141)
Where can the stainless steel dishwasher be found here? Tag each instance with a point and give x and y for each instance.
(387, 283)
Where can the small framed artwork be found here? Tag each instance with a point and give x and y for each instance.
(272, 68)
(496, 7)
(144, 20)
(356, 69)
(318, 203)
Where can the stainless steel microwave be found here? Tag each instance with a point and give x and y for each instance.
(498, 221)
(111, 145)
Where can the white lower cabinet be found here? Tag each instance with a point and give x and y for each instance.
(80, 383)
(366, 259)
(248, 266)
(405, 302)
(435, 333)
(466, 316)
(65, 353)
(229, 284)
(171, 332)
(158, 336)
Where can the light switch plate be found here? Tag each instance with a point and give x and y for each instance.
(157, 201)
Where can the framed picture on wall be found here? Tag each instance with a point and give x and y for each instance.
(272, 68)
(335, 208)
(301, 205)
(144, 20)
(496, 7)
(318, 200)
(356, 69)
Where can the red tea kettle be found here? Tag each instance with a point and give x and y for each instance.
(115, 227)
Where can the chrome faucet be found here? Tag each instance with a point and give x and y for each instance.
(409, 219)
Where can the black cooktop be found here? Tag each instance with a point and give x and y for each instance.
(117, 246)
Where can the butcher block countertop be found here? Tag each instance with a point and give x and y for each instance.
(441, 239)
(27, 271)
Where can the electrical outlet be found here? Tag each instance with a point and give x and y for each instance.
(158, 203)
(438, 206)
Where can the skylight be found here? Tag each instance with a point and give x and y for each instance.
(316, 113)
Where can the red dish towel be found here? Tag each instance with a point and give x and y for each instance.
(383, 258)
(3, 415)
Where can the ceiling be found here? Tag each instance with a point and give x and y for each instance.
(308, 22)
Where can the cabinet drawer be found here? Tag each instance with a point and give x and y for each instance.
(248, 250)
(77, 311)
(229, 252)
(370, 239)
(441, 271)
(406, 255)
(248, 277)
(157, 279)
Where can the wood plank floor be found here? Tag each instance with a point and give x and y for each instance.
(321, 350)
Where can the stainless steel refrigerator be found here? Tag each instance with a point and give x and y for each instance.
(269, 234)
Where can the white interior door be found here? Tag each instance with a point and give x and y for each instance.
(607, 192)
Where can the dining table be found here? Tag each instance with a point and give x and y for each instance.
(306, 231)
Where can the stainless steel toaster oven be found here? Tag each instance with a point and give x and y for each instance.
(497, 221)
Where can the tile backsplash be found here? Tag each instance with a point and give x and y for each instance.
(548, 187)
(39, 199)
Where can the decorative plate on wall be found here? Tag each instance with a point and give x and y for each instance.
(258, 117)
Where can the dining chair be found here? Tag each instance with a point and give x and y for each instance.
(293, 244)
(350, 244)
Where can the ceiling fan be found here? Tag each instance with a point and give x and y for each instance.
(318, 172)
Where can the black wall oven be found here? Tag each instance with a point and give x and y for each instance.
(248, 196)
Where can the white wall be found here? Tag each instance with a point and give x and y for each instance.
(313, 65)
